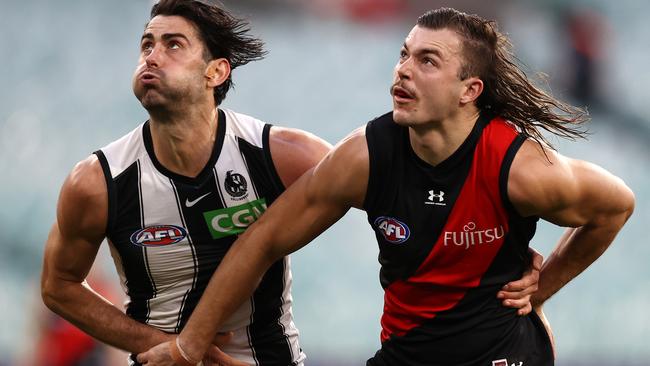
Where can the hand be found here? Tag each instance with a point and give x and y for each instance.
(547, 326)
(216, 357)
(516, 294)
(157, 356)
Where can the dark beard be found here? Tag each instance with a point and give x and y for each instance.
(161, 105)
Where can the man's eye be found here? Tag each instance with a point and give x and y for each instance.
(174, 46)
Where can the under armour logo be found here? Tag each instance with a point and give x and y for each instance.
(504, 362)
(433, 197)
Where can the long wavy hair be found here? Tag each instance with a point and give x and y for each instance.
(223, 35)
(507, 91)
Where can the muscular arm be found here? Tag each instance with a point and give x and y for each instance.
(310, 205)
(70, 251)
(295, 151)
(592, 202)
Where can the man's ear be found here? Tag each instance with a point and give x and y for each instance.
(217, 71)
(471, 90)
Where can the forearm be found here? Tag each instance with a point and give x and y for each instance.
(242, 268)
(278, 232)
(575, 251)
(99, 318)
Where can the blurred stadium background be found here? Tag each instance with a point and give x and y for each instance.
(65, 91)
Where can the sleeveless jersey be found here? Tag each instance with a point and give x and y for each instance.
(168, 233)
(449, 239)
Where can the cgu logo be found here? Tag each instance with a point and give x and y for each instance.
(158, 235)
(234, 220)
(470, 236)
(392, 229)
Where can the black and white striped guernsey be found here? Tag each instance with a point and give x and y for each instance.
(168, 233)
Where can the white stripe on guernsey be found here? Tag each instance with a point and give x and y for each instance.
(248, 333)
(171, 266)
(246, 127)
(119, 266)
(230, 160)
(121, 153)
(286, 319)
(191, 244)
(239, 348)
(144, 252)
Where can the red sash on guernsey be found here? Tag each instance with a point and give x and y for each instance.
(467, 245)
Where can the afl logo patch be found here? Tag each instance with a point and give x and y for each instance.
(158, 235)
(235, 184)
(392, 229)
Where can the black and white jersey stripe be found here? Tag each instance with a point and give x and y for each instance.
(168, 233)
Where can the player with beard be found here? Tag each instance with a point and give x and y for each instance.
(453, 181)
(172, 196)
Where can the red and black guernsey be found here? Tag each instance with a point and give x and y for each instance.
(449, 239)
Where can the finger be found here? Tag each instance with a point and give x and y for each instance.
(222, 338)
(221, 358)
(537, 259)
(530, 279)
(525, 310)
(143, 357)
(517, 303)
(526, 292)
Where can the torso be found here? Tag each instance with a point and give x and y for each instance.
(449, 239)
(168, 233)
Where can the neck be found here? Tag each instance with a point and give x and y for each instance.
(183, 141)
(435, 142)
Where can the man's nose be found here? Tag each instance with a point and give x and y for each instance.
(403, 69)
(153, 58)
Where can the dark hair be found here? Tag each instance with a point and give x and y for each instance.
(223, 35)
(507, 91)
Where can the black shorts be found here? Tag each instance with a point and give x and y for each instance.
(525, 343)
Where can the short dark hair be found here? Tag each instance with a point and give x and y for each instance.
(223, 35)
(487, 54)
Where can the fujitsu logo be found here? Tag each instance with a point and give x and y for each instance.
(471, 236)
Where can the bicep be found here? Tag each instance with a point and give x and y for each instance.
(561, 190)
(592, 194)
(318, 198)
(68, 258)
(80, 225)
(294, 152)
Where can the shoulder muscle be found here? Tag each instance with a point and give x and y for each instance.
(82, 209)
(562, 190)
(295, 151)
(344, 171)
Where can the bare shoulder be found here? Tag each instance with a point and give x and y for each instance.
(345, 170)
(561, 189)
(352, 148)
(295, 151)
(535, 172)
(83, 202)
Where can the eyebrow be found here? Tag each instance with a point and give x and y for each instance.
(425, 51)
(166, 36)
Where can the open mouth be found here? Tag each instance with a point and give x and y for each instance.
(402, 94)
